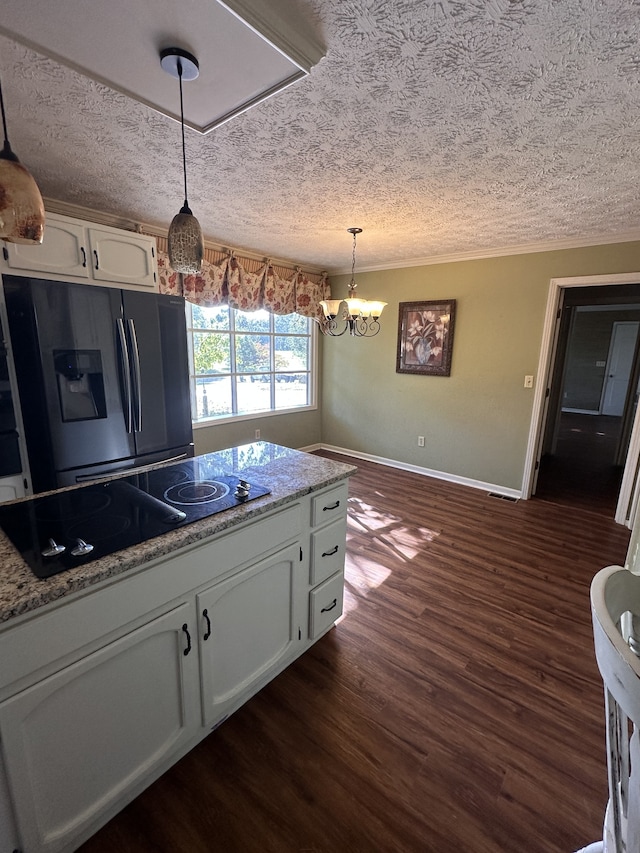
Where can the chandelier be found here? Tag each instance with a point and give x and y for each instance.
(360, 316)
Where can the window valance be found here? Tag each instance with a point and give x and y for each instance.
(246, 284)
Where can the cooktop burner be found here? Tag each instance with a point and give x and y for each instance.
(67, 529)
(196, 492)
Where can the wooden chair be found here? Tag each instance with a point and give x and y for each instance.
(615, 610)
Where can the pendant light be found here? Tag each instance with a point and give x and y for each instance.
(21, 205)
(360, 316)
(186, 246)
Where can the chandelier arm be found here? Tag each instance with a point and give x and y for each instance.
(330, 327)
(364, 328)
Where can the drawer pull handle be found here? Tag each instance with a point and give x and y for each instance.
(84, 256)
(334, 506)
(330, 553)
(331, 606)
(185, 628)
(207, 633)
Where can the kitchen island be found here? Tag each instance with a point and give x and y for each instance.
(113, 670)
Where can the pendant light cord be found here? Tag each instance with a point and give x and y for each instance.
(353, 258)
(184, 155)
(7, 153)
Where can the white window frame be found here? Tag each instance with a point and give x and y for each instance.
(234, 374)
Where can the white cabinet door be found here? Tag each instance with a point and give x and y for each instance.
(63, 250)
(249, 629)
(121, 257)
(77, 742)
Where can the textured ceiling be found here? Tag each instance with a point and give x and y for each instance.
(457, 126)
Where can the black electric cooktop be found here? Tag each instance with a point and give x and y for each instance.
(70, 528)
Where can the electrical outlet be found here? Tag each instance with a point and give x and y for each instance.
(257, 433)
(420, 441)
(528, 381)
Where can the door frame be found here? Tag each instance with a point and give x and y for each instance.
(630, 488)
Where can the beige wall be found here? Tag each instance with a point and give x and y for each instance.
(475, 422)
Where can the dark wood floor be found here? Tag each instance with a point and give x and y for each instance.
(455, 707)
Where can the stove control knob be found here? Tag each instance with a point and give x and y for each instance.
(53, 550)
(82, 548)
(242, 490)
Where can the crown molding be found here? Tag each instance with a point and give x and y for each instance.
(500, 252)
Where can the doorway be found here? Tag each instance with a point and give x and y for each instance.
(581, 451)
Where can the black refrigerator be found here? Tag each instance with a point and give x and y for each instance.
(103, 378)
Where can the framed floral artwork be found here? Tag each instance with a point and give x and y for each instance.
(425, 337)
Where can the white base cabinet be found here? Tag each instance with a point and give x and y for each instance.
(75, 742)
(250, 624)
(102, 692)
(73, 250)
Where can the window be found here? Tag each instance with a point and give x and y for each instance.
(246, 363)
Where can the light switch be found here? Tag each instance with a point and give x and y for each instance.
(528, 381)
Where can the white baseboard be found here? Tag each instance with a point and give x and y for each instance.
(417, 469)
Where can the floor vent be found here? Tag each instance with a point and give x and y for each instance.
(504, 497)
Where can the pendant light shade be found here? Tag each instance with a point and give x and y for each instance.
(186, 246)
(21, 205)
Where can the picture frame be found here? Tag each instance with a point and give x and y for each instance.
(425, 337)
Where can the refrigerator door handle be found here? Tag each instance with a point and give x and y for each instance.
(126, 374)
(137, 383)
(115, 472)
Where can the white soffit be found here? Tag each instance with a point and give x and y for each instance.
(246, 51)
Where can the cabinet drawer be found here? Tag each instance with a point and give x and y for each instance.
(325, 605)
(327, 551)
(329, 505)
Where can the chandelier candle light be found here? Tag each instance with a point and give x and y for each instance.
(21, 205)
(186, 246)
(360, 316)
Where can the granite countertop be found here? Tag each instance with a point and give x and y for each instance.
(289, 474)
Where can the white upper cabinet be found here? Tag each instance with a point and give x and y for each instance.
(62, 251)
(73, 250)
(123, 257)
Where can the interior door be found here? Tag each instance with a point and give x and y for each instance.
(549, 405)
(619, 365)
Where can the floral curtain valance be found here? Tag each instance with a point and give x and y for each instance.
(226, 281)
